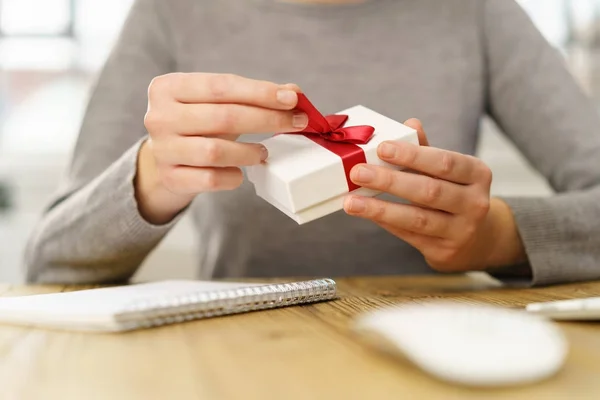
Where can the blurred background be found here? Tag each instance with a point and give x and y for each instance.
(51, 50)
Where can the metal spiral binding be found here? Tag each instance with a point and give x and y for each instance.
(197, 305)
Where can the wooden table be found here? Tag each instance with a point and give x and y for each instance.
(306, 352)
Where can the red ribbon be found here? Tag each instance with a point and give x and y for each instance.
(329, 132)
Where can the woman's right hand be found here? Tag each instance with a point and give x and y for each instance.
(193, 121)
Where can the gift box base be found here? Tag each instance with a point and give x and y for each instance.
(306, 179)
(319, 210)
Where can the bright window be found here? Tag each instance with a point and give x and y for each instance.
(34, 17)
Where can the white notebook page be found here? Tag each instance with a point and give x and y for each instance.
(95, 309)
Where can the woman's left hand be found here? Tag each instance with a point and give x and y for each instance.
(451, 219)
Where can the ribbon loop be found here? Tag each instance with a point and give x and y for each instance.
(332, 127)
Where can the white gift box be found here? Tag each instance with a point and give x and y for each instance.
(306, 181)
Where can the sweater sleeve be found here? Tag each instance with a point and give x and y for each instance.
(537, 103)
(93, 232)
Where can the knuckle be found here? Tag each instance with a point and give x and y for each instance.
(212, 152)
(433, 191)
(377, 211)
(387, 180)
(421, 222)
(153, 121)
(447, 164)
(149, 120)
(486, 174)
(211, 180)
(236, 180)
(155, 87)
(220, 84)
(481, 207)
(160, 85)
(224, 119)
(469, 231)
(407, 155)
(481, 171)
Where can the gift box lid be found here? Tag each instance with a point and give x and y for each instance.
(300, 173)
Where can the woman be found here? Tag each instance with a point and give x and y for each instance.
(144, 155)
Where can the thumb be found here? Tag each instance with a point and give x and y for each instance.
(292, 86)
(416, 125)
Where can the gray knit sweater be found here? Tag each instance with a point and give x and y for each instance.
(446, 62)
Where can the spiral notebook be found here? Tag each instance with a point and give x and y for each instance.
(146, 305)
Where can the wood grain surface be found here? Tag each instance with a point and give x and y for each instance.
(303, 352)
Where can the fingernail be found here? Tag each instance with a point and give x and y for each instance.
(356, 205)
(287, 97)
(387, 150)
(264, 153)
(300, 120)
(364, 174)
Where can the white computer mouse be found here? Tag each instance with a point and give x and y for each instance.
(474, 345)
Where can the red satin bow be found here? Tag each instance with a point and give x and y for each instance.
(332, 127)
(329, 132)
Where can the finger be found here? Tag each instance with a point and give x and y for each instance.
(443, 164)
(226, 137)
(232, 89)
(291, 86)
(191, 180)
(435, 250)
(434, 193)
(198, 151)
(416, 125)
(406, 217)
(420, 242)
(235, 119)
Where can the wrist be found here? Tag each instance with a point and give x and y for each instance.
(156, 204)
(501, 239)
